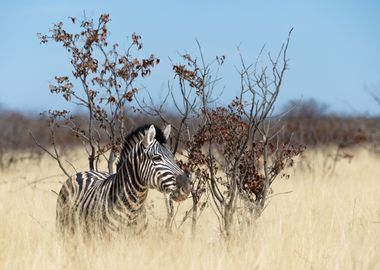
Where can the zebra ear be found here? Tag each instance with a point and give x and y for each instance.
(167, 131)
(149, 135)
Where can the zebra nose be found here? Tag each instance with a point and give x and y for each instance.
(184, 183)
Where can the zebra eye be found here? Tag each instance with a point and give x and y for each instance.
(156, 158)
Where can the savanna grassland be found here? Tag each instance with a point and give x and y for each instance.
(320, 219)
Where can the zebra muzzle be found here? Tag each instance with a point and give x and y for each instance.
(183, 188)
(184, 183)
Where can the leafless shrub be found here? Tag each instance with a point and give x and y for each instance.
(105, 87)
(234, 152)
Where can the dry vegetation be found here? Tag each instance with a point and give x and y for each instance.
(326, 216)
(328, 221)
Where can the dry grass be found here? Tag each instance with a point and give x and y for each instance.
(327, 222)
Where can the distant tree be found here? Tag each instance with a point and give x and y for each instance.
(309, 108)
(374, 93)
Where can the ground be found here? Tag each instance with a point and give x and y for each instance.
(326, 219)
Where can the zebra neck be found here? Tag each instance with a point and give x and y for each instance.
(129, 186)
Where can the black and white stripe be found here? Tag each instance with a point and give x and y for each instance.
(97, 202)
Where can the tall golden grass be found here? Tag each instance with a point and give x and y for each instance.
(328, 221)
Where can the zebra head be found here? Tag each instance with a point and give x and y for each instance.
(161, 169)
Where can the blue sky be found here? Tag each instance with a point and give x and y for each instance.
(334, 51)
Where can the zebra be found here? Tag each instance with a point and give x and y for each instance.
(106, 204)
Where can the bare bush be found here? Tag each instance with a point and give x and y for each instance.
(105, 77)
(234, 152)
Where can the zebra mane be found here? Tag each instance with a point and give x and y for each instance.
(134, 137)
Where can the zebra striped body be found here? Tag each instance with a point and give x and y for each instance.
(98, 202)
